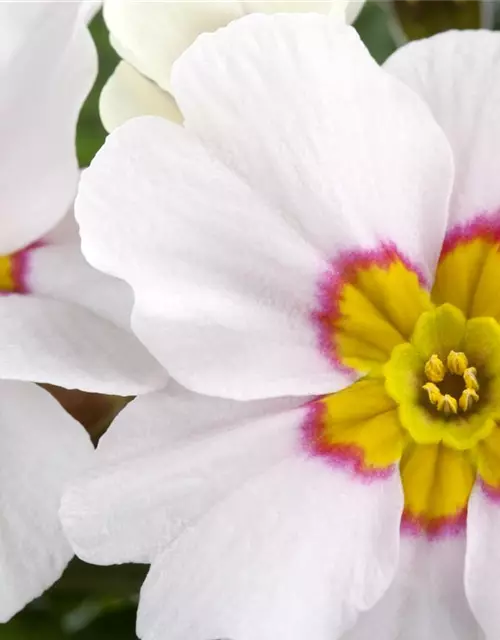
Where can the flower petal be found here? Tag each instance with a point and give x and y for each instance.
(310, 121)
(56, 268)
(42, 448)
(152, 35)
(295, 554)
(225, 287)
(454, 72)
(46, 340)
(186, 453)
(427, 598)
(482, 562)
(128, 94)
(47, 65)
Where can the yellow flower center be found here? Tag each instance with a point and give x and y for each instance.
(428, 400)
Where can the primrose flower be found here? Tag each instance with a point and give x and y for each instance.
(316, 231)
(61, 321)
(150, 35)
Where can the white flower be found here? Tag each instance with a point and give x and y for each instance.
(60, 320)
(315, 230)
(150, 36)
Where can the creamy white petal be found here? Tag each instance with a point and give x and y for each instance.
(455, 73)
(353, 10)
(152, 35)
(311, 122)
(334, 7)
(128, 94)
(186, 453)
(47, 65)
(482, 565)
(46, 340)
(42, 448)
(224, 285)
(295, 553)
(89, 9)
(427, 599)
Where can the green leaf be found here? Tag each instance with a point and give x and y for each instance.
(90, 132)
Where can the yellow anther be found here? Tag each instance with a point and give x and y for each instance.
(433, 391)
(447, 404)
(434, 369)
(470, 378)
(457, 362)
(467, 399)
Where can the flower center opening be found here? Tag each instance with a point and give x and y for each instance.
(452, 386)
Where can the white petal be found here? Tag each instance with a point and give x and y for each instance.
(224, 285)
(482, 564)
(47, 65)
(427, 599)
(295, 554)
(128, 94)
(45, 340)
(310, 121)
(455, 73)
(185, 452)
(57, 269)
(42, 448)
(152, 35)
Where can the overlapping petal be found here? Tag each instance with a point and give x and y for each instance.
(427, 598)
(128, 94)
(222, 282)
(47, 340)
(42, 447)
(295, 553)
(151, 35)
(186, 453)
(313, 150)
(225, 257)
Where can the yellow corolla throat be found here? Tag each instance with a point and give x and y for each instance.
(429, 401)
(14, 271)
